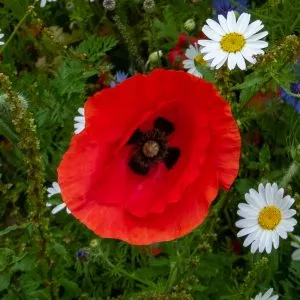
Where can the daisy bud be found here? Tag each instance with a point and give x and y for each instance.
(109, 4)
(94, 243)
(190, 25)
(70, 6)
(154, 56)
(148, 5)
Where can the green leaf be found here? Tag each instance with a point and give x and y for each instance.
(206, 72)
(95, 47)
(26, 264)
(6, 256)
(249, 82)
(4, 280)
(248, 93)
(264, 154)
(243, 185)
(71, 288)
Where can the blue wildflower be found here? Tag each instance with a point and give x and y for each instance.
(222, 7)
(290, 99)
(119, 77)
(82, 254)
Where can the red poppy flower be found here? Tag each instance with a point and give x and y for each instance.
(152, 156)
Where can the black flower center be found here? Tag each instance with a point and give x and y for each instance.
(152, 147)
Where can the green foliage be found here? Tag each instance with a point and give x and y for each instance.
(59, 56)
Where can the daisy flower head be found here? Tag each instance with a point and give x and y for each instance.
(222, 7)
(194, 56)
(266, 296)
(266, 216)
(296, 244)
(44, 2)
(79, 121)
(233, 40)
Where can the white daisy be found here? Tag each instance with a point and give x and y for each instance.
(44, 2)
(296, 253)
(266, 217)
(54, 190)
(1, 37)
(233, 40)
(79, 121)
(194, 55)
(266, 296)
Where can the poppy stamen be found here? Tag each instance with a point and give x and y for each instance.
(152, 147)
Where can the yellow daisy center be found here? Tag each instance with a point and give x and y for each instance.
(269, 217)
(199, 59)
(233, 42)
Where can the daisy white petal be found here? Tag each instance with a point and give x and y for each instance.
(240, 61)
(58, 208)
(222, 62)
(223, 23)
(243, 22)
(215, 27)
(266, 296)
(247, 231)
(79, 121)
(206, 43)
(231, 61)
(211, 34)
(231, 21)
(253, 28)
(211, 48)
(257, 44)
(275, 240)
(296, 254)
(55, 189)
(221, 57)
(258, 36)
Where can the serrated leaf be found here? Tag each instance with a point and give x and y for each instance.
(248, 93)
(249, 82)
(95, 47)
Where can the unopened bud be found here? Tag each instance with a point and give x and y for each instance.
(190, 24)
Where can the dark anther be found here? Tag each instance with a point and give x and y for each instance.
(152, 147)
(164, 125)
(171, 157)
(135, 137)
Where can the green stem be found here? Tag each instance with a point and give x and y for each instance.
(28, 12)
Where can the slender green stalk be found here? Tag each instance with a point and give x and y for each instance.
(124, 272)
(30, 9)
(291, 172)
